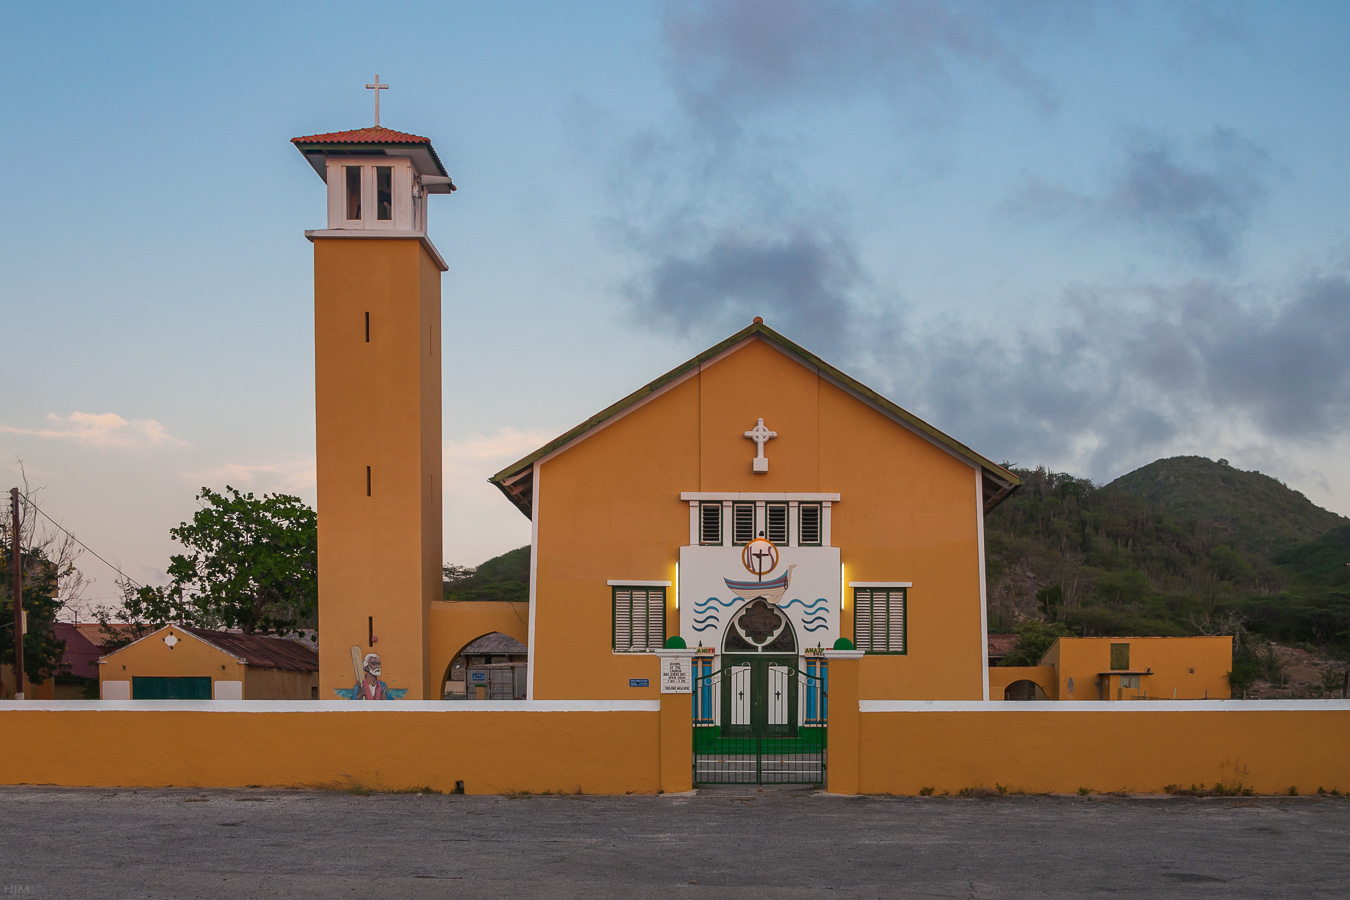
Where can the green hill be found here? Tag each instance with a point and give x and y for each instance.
(1182, 546)
(505, 577)
(1255, 511)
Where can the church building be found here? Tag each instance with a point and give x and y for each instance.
(758, 508)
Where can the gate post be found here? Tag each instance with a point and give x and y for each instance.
(677, 720)
(841, 749)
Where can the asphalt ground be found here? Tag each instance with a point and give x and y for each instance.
(77, 843)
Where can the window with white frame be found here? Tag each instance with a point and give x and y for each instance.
(639, 618)
(879, 618)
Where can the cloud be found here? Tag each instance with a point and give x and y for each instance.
(1200, 203)
(291, 473)
(1128, 373)
(801, 282)
(729, 58)
(103, 431)
(470, 461)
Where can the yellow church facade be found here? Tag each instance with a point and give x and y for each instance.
(643, 518)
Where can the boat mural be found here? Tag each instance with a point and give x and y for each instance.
(771, 590)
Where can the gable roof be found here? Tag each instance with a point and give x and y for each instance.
(516, 481)
(101, 635)
(259, 650)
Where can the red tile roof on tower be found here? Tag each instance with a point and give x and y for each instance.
(374, 141)
(376, 134)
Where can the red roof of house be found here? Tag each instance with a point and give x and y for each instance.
(375, 134)
(97, 634)
(81, 653)
(1000, 645)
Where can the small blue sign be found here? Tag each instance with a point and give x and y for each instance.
(478, 678)
(639, 682)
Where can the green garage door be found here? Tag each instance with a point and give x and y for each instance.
(149, 688)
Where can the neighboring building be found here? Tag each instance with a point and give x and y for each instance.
(762, 507)
(1122, 668)
(494, 667)
(177, 662)
(1000, 645)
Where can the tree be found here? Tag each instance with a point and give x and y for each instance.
(42, 651)
(250, 563)
(1033, 640)
(50, 581)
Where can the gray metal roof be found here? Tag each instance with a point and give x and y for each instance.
(495, 644)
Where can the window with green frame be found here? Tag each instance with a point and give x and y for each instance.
(639, 618)
(710, 523)
(776, 523)
(879, 619)
(742, 523)
(809, 525)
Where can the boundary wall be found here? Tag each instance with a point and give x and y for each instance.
(596, 747)
(1059, 746)
(644, 746)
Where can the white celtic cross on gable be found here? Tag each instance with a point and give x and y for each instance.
(759, 434)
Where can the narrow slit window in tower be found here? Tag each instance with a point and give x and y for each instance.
(367, 328)
(367, 481)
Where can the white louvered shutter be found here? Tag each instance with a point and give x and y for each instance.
(862, 620)
(639, 618)
(623, 619)
(655, 612)
(895, 620)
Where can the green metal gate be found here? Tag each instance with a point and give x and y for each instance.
(760, 719)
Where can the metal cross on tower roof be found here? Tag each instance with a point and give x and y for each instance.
(377, 87)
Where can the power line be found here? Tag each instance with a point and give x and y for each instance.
(37, 509)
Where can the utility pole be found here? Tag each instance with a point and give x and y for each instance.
(16, 570)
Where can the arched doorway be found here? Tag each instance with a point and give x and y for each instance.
(759, 718)
(1024, 689)
(759, 694)
(492, 666)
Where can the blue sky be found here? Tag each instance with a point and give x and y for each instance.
(1070, 234)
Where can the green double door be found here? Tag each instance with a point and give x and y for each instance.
(759, 696)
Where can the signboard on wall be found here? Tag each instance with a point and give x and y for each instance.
(676, 675)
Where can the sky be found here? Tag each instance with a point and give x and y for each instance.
(1078, 235)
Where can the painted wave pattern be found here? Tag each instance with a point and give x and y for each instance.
(706, 613)
(818, 605)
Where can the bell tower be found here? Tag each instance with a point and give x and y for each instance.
(377, 391)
